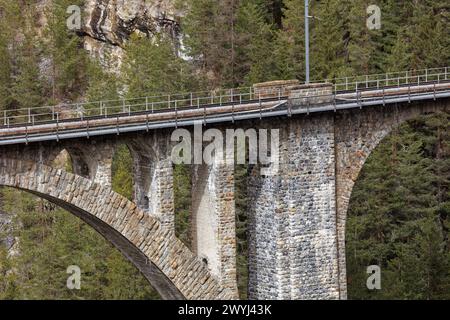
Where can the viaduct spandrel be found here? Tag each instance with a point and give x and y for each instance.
(296, 229)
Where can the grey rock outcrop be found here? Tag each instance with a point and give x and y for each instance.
(108, 24)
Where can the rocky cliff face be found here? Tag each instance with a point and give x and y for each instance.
(107, 24)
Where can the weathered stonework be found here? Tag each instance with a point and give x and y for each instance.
(93, 159)
(213, 220)
(153, 175)
(296, 218)
(311, 94)
(165, 261)
(292, 235)
(273, 88)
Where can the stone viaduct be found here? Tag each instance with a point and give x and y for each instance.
(296, 218)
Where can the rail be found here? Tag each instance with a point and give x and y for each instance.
(177, 103)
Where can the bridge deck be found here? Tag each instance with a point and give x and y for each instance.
(213, 113)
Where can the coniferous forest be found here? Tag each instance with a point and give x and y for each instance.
(399, 216)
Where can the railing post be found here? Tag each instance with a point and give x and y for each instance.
(346, 83)
(82, 114)
(232, 113)
(260, 106)
(29, 115)
(4, 117)
(123, 105)
(146, 103)
(409, 93)
(357, 95)
(426, 75)
(176, 115)
(191, 99)
(334, 101)
(204, 115)
(168, 98)
(445, 71)
(53, 113)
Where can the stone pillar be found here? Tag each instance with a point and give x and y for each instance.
(153, 176)
(93, 159)
(292, 217)
(213, 220)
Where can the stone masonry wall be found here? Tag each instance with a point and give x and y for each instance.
(292, 218)
(153, 175)
(166, 262)
(310, 94)
(213, 222)
(297, 218)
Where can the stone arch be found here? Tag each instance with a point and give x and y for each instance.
(169, 266)
(357, 134)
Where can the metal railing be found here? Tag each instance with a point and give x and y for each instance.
(183, 101)
(390, 79)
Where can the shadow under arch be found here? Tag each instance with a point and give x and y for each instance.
(163, 259)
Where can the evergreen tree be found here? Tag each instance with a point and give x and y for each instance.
(254, 45)
(329, 52)
(65, 50)
(27, 89)
(398, 216)
(153, 68)
(290, 44)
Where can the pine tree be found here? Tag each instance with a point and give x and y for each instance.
(153, 68)
(65, 50)
(5, 74)
(398, 216)
(206, 41)
(290, 43)
(254, 45)
(329, 52)
(11, 21)
(26, 89)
